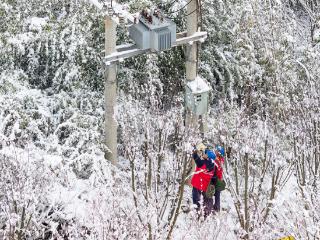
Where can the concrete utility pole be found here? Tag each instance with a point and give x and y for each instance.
(192, 25)
(110, 92)
(191, 119)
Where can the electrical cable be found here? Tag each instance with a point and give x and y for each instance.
(185, 14)
(198, 8)
(181, 8)
(191, 12)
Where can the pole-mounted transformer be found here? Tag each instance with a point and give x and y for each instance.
(153, 31)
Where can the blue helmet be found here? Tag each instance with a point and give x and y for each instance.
(210, 154)
(220, 150)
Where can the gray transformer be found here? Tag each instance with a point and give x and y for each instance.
(197, 96)
(156, 34)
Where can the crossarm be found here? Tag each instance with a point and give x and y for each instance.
(131, 50)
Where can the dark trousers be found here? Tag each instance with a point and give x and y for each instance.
(207, 202)
(216, 205)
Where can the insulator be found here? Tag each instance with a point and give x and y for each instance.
(110, 10)
(122, 20)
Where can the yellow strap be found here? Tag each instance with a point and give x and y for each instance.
(287, 238)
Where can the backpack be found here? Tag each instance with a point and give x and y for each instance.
(220, 185)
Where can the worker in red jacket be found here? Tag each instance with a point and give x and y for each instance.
(201, 179)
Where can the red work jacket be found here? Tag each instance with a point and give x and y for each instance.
(201, 178)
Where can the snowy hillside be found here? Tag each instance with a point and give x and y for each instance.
(262, 59)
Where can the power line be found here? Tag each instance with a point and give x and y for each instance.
(181, 8)
(191, 12)
(188, 13)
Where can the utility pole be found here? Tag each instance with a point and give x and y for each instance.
(110, 92)
(191, 119)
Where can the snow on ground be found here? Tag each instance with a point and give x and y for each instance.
(37, 23)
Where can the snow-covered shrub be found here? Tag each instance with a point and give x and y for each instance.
(26, 212)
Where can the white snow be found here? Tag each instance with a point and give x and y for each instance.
(37, 23)
(97, 4)
(199, 85)
(317, 35)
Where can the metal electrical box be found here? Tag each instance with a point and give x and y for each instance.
(153, 31)
(197, 96)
